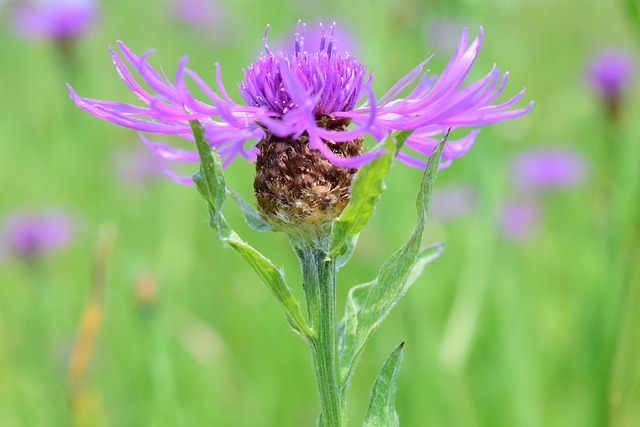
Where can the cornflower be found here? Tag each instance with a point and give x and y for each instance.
(56, 19)
(30, 235)
(548, 167)
(308, 111)
(609, 73)
(303, 122)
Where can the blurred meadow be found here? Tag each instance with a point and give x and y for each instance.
(139, 316)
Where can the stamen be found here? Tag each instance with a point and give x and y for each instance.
(297, 34)
(322, 40)
(332, 40)
(304, 26)
(266, 46)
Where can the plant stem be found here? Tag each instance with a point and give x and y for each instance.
(319, 281)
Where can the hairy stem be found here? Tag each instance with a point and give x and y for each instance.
(319, 281)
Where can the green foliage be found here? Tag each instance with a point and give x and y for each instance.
(249, 213)
(369, 304)
(211, 184)
(382, 411)
(366, 189)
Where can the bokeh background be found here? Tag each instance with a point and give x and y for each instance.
(125, 310)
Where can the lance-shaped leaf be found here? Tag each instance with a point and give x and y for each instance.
(249, 213)
(355, 333)
(210, 183)
(382, 411)
(369, 304)
(368, 185)
(210, 177)
(268, 273)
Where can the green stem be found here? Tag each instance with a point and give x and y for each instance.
(319, 281)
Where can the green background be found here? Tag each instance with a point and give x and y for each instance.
(539, 332)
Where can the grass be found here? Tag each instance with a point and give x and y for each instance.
(541, 332)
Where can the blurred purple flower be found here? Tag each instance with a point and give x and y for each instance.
(610, 72)
(519, 220)
(137, 165)
(315, 93)
(34, 234)
(548, 167)
(441, 34)
(198, 12)
(450, 203)
(55, 19)
(208, 16)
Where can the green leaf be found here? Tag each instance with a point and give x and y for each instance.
(400, 137)
(210, 183)
(367, 186)
(210, 177)
(382, 411)
(249, 213)
(370, 303)
(353, 329)
(269, 274)
(347, 251)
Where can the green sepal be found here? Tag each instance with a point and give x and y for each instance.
(367, 186)
(381, 411)
(370, 303)
(210, 182)
(249, 213)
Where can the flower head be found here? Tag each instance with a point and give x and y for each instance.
(56, 19)
(610, 71)
(136, 165)
(313, 99)
(519, 220)
(453, 202)
(442, 33)
(33, 234)
(547, 167)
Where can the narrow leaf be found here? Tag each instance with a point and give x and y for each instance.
(249, 213)
(382, 411)
(400, 137)
(269, 274)
(368, 185)
(354, 334)
(210, 182)
(369, 304)
(210, 178)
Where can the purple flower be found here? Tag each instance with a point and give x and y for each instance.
(548, 167)
(315, 93)
(519, 220)
(55, 19)
(610, 71)
(137, 165)
(198, 12)
(33, 234)
(206, 16)
(442, 33)
(450, 203)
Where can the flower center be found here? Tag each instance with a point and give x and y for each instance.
(297, 186)
(332, 80)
